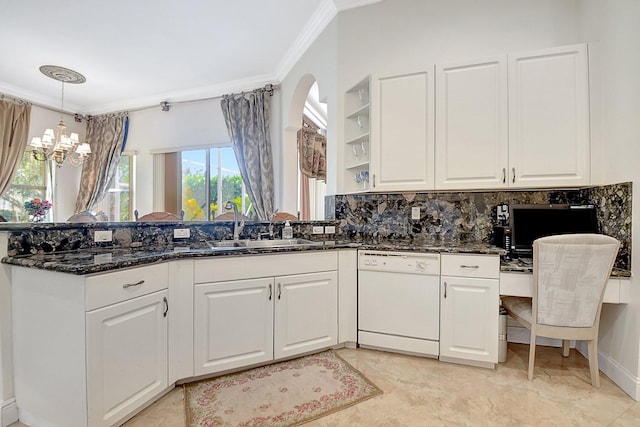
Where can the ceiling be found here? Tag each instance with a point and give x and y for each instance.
(135, 54)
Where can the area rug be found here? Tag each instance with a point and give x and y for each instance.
(283, 394)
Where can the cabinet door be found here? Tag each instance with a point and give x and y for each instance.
(306, 316)
(469, 319)
(549, 117)
(403, 135)
(126, 357)
(471, 124)
(233, 324)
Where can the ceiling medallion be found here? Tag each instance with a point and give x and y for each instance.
(62, 74)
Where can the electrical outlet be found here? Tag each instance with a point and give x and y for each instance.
(415, 212)
(181, 233)
(330, 229)
(103, 236)
(318, 229)
(102, 258)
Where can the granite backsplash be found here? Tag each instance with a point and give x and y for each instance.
(469, 216)
(26, 239)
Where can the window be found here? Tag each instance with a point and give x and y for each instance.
(211, 177)
(118, 203)
(29, 182)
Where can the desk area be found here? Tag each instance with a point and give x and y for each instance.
(516, 279)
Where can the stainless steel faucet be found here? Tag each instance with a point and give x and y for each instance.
(238, 226)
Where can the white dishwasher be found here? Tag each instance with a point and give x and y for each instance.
(399, 301)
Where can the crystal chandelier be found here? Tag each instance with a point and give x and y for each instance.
(57, 145)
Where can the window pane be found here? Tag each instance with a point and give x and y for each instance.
(194, 189)
(231, 181)
(225, 183)
(28, 183)
(117, 203)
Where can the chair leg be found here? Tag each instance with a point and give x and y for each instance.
(592, 347)
(532, 355)
(565, 348)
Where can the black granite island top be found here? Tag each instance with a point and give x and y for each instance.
(89, 261)
(97, 260)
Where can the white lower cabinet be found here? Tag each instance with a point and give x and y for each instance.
(254, 320)
(89, 350)
(233, 324)
(126, 357)
(469, 305)
(306, 313)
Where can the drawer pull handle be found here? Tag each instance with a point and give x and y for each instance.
(445, 289)
(270, 291)
(469, 266)
(279, 290)
(166, 307)
(128, 285)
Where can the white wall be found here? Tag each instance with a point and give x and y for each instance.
(614, 26)
(397, 35)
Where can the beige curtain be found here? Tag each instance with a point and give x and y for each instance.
(14, 131)
(312, 148)
(107, 136)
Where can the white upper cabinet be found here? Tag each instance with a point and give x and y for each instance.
(549, 117)
(472, 146)
(403, 132)
(520, 120)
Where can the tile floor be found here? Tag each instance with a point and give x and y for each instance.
(425, 392)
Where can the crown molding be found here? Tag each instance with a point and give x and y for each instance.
(190, 95)
(39, 99)
(351, 4)
(312, 29)
(310, 32)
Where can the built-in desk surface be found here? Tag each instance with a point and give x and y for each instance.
(516, 279)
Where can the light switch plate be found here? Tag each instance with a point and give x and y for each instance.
(415, 212)
(330, 229)
(318, 229)
(103, 236)
(181, 233)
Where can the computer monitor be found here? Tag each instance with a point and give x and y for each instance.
(530, 222)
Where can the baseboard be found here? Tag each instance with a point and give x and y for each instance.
(624, 379)
(9, 412)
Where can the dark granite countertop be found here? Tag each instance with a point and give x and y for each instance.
(89, 261)
(97, 260)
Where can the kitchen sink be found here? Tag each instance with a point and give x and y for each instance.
(277, 243)
(242, 244)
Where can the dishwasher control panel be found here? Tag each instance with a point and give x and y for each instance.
(399, 262)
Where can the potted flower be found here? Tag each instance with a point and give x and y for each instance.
(37, 208)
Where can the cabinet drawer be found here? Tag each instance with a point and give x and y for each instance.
(110, 288)
(487, 266)
(254, 266)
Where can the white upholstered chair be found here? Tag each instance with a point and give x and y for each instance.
(570, 273)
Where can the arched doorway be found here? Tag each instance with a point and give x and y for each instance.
(306, 110)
